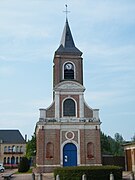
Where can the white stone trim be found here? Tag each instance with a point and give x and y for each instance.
(81, 104)
(96, 113)
(57, 105)
(71, 93)
(79, 156)
(57, 165)
(42, 113)
(69, 86)
(69, 126)
(66, 135)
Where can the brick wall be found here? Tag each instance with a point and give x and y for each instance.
(60, 60)
(50, 112)
(88, 113)
(92, 136)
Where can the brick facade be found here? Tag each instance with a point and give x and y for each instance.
(61, 136)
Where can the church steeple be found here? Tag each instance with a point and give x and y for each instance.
(67, 39)
(68, 131)
(67, 44)
(68, 65)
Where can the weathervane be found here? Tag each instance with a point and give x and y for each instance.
(66, 11)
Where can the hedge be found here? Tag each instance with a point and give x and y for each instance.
(92, 172)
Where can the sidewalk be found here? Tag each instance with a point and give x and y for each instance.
(45, 176)
(127, 175)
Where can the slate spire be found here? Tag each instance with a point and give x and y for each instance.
(67, 44)
(67, 39)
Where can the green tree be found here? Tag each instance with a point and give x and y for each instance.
(112, 146)
(31, 147)
(133, 138)
(24, 165)
(118, 138)
(105, 144)
(118, 144)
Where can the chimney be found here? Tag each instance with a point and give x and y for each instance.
(25, 137)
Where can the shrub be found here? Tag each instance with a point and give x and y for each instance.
(92, 172)
(24, 165)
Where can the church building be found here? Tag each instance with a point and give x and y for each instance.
(68, 131)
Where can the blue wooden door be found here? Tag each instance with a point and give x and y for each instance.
(69, 155)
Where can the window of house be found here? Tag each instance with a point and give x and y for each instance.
(69, 108)
(8, 160)
(9, 149)
(4, 160)
(17, 160)
(90, 150)
(5, 149)
(21, 149)
(13, 148)
(49, 150)
(17, 149)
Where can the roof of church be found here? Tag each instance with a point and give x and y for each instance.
(67, 44)
(11, 137)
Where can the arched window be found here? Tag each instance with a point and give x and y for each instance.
(9, 149)
(17, 149)
(5, 149)
(90, 150)
(69, 108)
(12, 160)
(17, 160)
(13, 148)
(8, 160)
(4, 160)
(21, 149)
(49, 150)
(68, 71)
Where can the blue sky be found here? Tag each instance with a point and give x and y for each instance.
(30, 32)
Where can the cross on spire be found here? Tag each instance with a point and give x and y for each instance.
(66, 11)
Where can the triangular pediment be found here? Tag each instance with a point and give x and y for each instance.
(69, 86)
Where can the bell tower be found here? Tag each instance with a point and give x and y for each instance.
(67, 59)
(68, 78)
(68, 131)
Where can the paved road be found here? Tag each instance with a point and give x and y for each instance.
(46, 176)
(29, 177)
